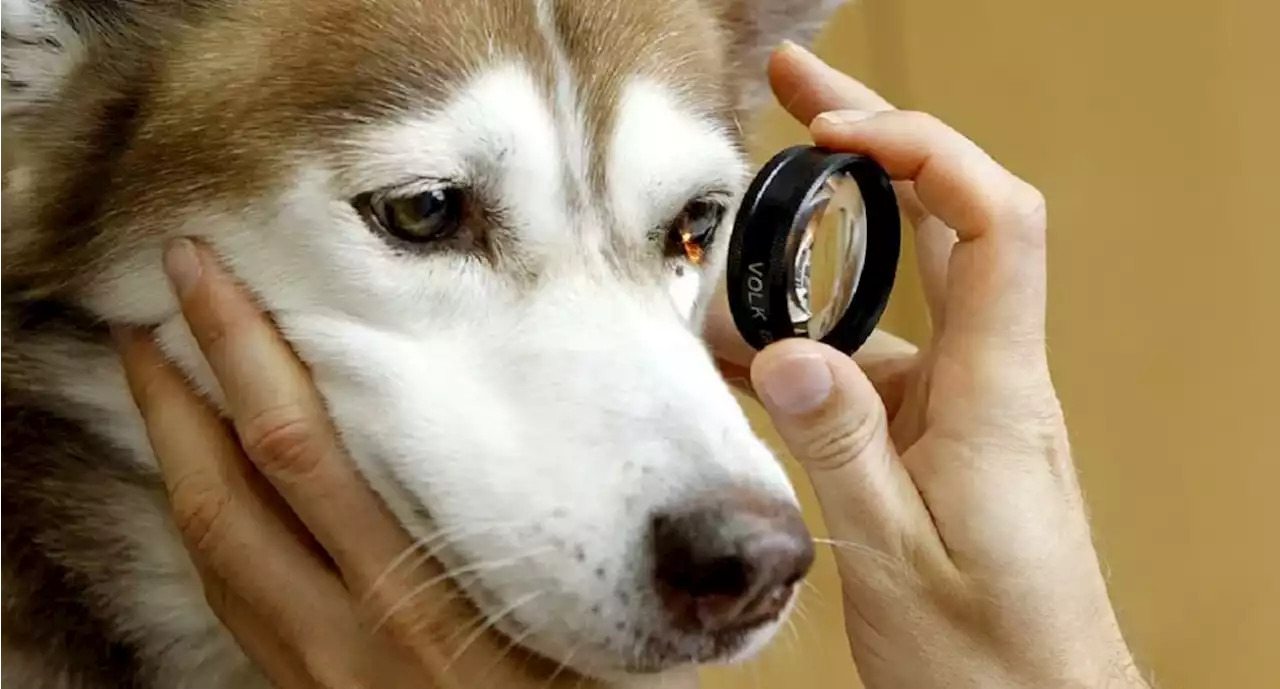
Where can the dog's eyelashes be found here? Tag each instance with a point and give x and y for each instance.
(693, 231)
(425, 216)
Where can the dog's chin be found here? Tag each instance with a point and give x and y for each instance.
(724, 647)
(661, 652)
(715, 648)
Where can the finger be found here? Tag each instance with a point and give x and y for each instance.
(256, 638)
(806, 86)
(356, 658)
(286, 430)
(734, 355)
(834, 423)
(281, 420)
(996, 273)
(229, 530)
(884, 357)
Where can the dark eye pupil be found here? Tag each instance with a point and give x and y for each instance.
(693, 230)
(429, 203)
(427, 216)
(700, 220)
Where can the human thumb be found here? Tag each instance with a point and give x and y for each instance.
(834, 423)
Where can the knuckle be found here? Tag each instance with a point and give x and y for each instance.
(425, 625)
(843, 438)
(200, 510)
(1027, 210)
(417, 620)
(282, 441)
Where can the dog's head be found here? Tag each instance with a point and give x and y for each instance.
(491, 228)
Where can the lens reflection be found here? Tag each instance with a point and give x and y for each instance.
(827, 256)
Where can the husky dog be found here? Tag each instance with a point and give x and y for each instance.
(471, 218)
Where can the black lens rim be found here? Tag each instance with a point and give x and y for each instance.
(758, 273)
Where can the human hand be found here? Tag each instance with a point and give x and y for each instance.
(945, 476)
(300, 559)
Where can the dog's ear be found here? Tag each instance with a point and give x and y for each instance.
(41, 48)
(756, 27)
(45, 41)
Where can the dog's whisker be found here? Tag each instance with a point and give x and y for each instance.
(801, 610)
(453, 538)
(417, 545)
(564, 662)
(489, 622)
(809, 586)
(430, 544)
(793, 641)
(485, 566)
(807, 622)
(866, 550)
(511, 645)
(458, 592)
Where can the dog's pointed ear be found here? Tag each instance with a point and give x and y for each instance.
(757, 27)
(41, 49)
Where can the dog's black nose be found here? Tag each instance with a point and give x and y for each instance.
(729, 561)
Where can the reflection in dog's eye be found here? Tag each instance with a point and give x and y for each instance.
(426, 216)
(693, 230)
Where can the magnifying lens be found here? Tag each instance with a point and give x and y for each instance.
(814, 249)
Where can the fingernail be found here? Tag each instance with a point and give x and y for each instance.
(182, 265)
(796, 384)
(835, 118)
(788, 44)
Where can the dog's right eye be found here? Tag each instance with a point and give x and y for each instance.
(426, 216)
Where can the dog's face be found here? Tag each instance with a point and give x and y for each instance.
(491, 229)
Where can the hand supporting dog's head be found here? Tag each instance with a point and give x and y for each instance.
(491, 229)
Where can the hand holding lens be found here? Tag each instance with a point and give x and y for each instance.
(814, 249)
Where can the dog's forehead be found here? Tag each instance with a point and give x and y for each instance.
(306, 74)
(340, 61)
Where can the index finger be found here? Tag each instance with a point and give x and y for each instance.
(281, 420)
(806, 86)
(996, 273)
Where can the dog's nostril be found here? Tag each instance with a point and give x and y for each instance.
(723, 576)
(729, 562)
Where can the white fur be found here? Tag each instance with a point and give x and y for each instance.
(661, 154)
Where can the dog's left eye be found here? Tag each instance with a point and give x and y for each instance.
(427, 216)
(692, 232)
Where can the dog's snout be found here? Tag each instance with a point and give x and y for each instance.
(731, 561)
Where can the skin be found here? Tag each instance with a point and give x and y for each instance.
(944, 474)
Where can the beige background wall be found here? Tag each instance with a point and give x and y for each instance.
(1153, 127)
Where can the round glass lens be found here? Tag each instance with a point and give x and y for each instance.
(827, 249)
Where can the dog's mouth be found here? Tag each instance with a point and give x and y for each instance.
(711, 585)
(661, 655)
